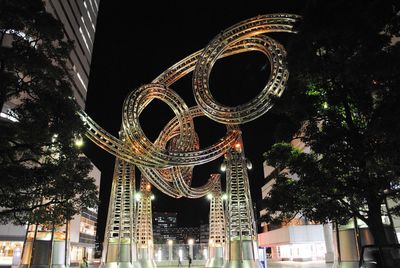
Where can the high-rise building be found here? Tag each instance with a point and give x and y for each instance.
(204, 233)
(163, 225)
(183, 234)
(79, 20)
(79, 25)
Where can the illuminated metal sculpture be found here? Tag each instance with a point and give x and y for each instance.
(168, 162)
(170, 170)
(217, 237)
(144, 225)
(242, 249)
(119, 241)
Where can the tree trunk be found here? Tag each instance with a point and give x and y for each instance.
(375, 223)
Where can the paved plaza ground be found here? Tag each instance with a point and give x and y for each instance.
(308, 264)
(281, 264)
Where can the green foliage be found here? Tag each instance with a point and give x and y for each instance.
(344, 92)
(44, 178)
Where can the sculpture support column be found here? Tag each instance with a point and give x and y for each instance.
(217, 236)
(144, 226)
(119, 241)
(170, 246)
(242, 238)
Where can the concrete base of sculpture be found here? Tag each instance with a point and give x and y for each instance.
(43, 266)
(135, 264)
(145, 258)
(216, 257)
(243, 254)
(147, 263)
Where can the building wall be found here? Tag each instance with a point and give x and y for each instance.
(83, 228)
(165, 228)
(204, 233)
(79, 19)
(163, 223)
(297, 239)
(11, 243)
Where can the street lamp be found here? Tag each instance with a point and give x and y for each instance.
(170, 244)
(190, 243)
(79, 142)
(223, 167)
(138, 196)
(249, 164)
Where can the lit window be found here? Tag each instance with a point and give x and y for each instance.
(95, 3)
(84, 39)
(87, 31)
(81, 80)
(9, 116)
(91, 5)
(87, 11)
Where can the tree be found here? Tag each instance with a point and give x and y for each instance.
(344, 91)
(44, 177)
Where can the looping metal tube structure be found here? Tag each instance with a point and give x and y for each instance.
(168, 162)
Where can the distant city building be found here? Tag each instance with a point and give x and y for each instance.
(204, 233)
(163, 225)
(183, 234)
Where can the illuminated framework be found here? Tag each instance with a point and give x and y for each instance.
(170, 169)
(120, 247)
(169, 161)
(217, 217)
(144, 225)
(242, 237)
(217, 234)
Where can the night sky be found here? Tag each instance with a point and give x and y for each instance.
(133, 45)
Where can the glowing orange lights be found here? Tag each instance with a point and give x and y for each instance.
(148, 187)
(238, 146)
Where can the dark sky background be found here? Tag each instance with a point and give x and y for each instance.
(134, 44)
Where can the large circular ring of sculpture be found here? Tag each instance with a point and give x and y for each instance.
(262, 102)
(169, 167)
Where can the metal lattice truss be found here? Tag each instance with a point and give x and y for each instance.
(120, 225)
(144, 222)
(169, 167)
(217, 235)
(241, 224)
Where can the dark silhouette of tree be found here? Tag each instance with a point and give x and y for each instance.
(44, 176)
(344, 95)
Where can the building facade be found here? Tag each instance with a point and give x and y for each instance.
(83, 228)
(79, 19)
(163, 224)
(297, 239)
(204, 233)
(165, 227)
(184, 234)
